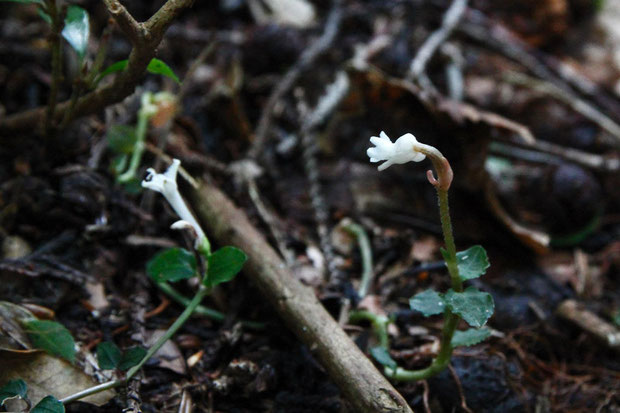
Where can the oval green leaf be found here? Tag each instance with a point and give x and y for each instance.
(223, 265)
(108, 355)
(470, 337)
(472, 263)
(48, 404)
(131, 357)
(428, 302)
(173, 264)
(158, 67)
(13, 389)
(52, 337)
(77, 29)
(475, 306)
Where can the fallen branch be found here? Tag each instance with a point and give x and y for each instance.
(144, 37)
(367, 390)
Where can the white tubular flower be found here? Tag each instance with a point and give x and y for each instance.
(399, 152)
(166, 184)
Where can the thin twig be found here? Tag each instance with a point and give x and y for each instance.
(449, 22)
(288, 80)
(134, 31)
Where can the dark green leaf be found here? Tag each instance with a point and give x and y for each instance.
(14, 388)
(173, 264)
(158, 67)
(382, 355)
(52, 337)
(223, 265)
(473, 262)
(470, 337)
(131, 357)
(428, 302)
(121, 138)
(43, 14)
(49, 404)
(113, 68)
(77, 29)
(108, 355)
(472, 304)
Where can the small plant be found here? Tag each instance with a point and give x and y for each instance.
(470, 304)
(171, 265)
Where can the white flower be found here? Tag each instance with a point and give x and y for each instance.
(401, 151)
(166, 184)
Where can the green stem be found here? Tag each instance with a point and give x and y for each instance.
(138, 149)
(450, 319)
(200, 294)
(366, 252)
(379, 325)
(202, 310)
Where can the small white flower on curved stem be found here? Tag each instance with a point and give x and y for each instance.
(399, 152)
(166, 184)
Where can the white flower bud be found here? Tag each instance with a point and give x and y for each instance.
(399, 152)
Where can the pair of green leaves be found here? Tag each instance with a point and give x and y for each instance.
(110, 357)
(19, 389)
(177, 264)
(156, 67)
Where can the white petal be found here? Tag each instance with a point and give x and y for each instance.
(383, 135)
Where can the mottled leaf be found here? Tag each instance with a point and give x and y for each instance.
(48, 405)
(472, 263)
(428, 302)
(13, 389)
(475, 306)
(470, 337)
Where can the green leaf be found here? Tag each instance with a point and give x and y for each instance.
(77, 29)
(472, 263)
(49, 404)
(113, 68)
(475, 306)
(108, 355)
(158, 67)
(14, 388)
(470, 337)
(131, 357)
(43, 14)
(223, 265)
(428, 302)
(173, 264)
(121, 138)
(52, 337)
(382, 355)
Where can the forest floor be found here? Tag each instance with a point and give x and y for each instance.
(523, 98)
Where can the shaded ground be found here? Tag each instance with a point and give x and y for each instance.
(76, 242)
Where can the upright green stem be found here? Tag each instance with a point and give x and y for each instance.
(136, 156)
(57, 23)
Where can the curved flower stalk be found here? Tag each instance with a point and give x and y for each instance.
(405, 149)
(166, 184)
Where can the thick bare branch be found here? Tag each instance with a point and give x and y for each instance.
(131, 28)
